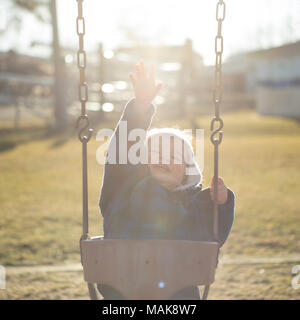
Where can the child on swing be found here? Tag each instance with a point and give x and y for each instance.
(159, 200)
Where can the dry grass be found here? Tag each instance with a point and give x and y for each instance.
(40, 196)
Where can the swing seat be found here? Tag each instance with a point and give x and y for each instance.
(148, 269)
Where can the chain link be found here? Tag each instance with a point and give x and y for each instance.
(85, 133)
(216, 125)
(218, 83)
(220, 4)
(83, 86)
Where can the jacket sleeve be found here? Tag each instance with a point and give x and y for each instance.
(226, 217)
(204, 218)
(121, 171)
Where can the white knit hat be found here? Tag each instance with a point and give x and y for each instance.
(183, 149)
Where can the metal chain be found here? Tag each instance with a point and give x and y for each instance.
(217, 99)
(83, 120)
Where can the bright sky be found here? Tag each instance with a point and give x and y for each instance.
(249, 24)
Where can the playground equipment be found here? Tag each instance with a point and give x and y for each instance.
(139, 269)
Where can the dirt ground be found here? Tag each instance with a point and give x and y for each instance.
(238, 282)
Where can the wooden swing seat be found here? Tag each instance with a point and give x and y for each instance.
(148, 269)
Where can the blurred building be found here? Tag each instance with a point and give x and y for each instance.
(272, 76)
(23, 76)
(25, 87)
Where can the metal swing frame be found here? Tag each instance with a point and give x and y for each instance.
(148, 269)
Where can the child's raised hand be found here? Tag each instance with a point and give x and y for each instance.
(144, 85)
(222, 191)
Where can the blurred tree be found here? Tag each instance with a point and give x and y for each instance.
(38, 7)
(60, 101)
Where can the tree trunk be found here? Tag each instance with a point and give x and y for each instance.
(60, 108)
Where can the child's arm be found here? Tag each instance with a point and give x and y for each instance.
(138, 113)
(226, 216)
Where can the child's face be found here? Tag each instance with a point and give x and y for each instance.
(168, 175)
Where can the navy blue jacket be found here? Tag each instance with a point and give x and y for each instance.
(132, 202)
